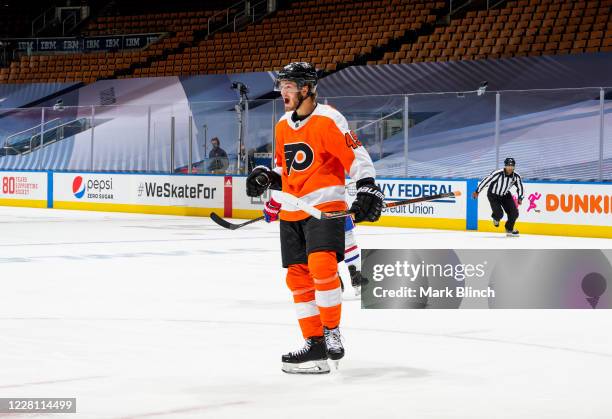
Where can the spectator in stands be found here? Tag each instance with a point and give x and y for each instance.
(217, 158)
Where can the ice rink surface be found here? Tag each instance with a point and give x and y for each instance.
(142, 316)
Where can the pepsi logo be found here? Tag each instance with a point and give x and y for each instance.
(78, 187)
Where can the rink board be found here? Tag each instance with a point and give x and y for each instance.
(446, 214)
(139, 209)
(24, 189)
(144, 193)
(559, 209)
(581, 209)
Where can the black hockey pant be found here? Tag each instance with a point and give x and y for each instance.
(499, 204)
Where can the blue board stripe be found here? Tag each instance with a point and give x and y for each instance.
(471, 208)
(49, 189)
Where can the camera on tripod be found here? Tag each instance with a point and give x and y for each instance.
(241, 87)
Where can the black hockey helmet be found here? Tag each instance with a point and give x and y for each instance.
(299, 72)
(509, 161)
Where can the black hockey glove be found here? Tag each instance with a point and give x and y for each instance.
(369, 202)
(260, 179)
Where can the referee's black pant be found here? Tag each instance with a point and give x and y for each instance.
(499, 204)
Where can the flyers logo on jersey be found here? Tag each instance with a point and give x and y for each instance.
(298, 156)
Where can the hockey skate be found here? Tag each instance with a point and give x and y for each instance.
(512, 233)
(311, 359)
(333, 342)
(495, 223)
(356, 279)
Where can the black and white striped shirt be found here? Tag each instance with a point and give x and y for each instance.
(501, 183)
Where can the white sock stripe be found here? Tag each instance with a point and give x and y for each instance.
(329, 298)
(307, 309)
(326, 280)
(302, 291)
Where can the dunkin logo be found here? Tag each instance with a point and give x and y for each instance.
(586, 204)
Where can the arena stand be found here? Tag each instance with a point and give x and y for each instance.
(15, 20)
(346, 32)
(341, 33)
(521, 28)
(178, 27)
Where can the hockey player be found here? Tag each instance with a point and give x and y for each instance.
(352, 254)
(500, 181)
(314, 151)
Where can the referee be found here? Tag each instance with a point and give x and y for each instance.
(500, 181)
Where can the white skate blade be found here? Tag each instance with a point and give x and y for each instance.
(310, 367)
(512, 235)
(336, 364)
(357, 291)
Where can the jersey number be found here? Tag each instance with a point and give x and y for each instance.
(351, 140)
(298, 156)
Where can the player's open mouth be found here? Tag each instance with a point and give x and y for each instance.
(286, 100)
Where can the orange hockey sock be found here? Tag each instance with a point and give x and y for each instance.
(302, 286)
(323, 267)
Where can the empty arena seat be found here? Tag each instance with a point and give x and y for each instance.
(519, 28)
(344, 33)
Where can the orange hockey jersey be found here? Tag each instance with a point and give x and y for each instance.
(313, 157)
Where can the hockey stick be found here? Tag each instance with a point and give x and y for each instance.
(423, 198)
(285, 199)
(318, 214)
(296, 202)
(231, 226)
